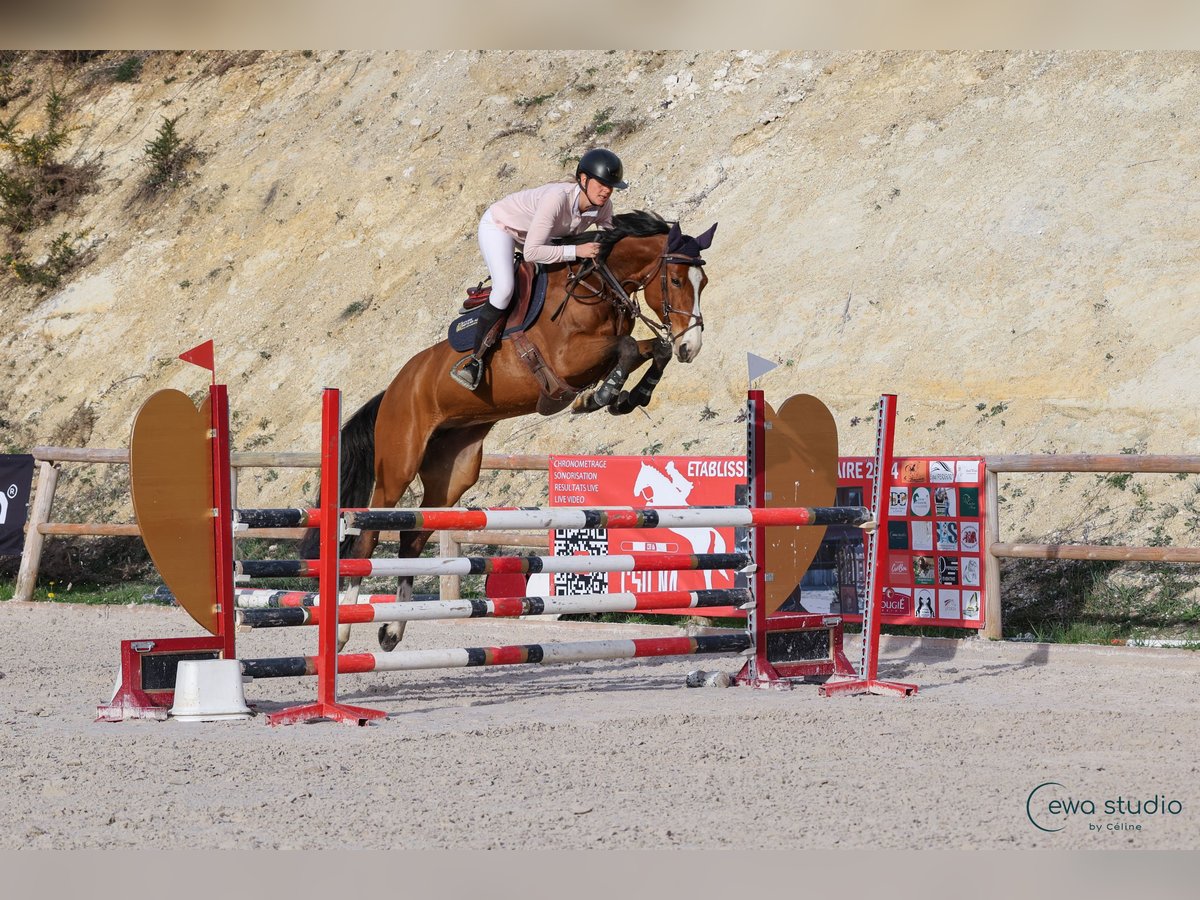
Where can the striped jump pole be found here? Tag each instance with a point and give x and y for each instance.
(488, 565)
(519, 654)
(544, 519)
(500, 607)
(260, 598)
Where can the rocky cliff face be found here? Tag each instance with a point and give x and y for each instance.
(1007, 241)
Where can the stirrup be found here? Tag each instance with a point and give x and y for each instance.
(466, 374)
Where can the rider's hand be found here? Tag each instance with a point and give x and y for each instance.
(587, 251)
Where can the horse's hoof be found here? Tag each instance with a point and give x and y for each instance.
(391, 635)
(582, 403)
(621, 406)
(387, 640)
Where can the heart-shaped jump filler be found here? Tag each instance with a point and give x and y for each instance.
(802, 459)
(170, 476)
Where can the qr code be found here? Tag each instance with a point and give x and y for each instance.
(583, 542)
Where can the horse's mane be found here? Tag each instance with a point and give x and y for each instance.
(639, 223)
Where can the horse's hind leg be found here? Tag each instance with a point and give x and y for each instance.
(450, 467)
(362, 548)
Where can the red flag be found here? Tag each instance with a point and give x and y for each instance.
(201, 356)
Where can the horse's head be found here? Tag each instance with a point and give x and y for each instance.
(667, 267)
(645, 482)
(659, 489)
(678, 290)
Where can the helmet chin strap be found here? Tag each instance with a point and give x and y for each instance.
(587, 191)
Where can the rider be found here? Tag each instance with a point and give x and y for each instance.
(531, 218)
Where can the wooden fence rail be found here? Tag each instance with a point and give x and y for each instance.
(1046, 463)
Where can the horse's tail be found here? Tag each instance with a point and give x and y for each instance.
(357, 468)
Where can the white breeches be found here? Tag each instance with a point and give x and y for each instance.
(497, 246)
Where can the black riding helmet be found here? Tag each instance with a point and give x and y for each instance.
(603, 165)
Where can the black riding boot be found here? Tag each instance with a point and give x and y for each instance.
(469, 373)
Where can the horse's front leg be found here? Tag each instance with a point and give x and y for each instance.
(629, 357)
(628, 401)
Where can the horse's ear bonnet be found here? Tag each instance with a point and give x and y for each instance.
(680, 244)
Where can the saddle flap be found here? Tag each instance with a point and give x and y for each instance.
(529, 297)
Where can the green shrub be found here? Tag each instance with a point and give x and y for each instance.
(128, 69)
(166, 156)
(64, 256)
(34, 185)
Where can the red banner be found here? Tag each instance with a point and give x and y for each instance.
(934, 543)
(644, 481)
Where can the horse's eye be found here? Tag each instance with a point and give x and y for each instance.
(677, 282)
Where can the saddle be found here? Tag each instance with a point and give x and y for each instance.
(529, 298)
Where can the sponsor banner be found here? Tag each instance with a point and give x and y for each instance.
(932, 560)
(16, 479)
(644, 482)
(933, 569)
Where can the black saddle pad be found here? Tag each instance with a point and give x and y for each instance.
(462, 329)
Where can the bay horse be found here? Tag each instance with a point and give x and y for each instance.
(426, 424)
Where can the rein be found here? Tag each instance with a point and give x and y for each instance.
(625, 304)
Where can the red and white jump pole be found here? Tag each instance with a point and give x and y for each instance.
(466, 519)
(490, 565)
(493, 607)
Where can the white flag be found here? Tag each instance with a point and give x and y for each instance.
(758, 366)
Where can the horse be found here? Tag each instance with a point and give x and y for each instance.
(657, 488)
(424, 423)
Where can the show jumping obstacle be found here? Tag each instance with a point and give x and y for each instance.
(779, 646)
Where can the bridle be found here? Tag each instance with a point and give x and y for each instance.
(621, 297)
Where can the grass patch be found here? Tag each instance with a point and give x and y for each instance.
(88, 593)
(128, 69)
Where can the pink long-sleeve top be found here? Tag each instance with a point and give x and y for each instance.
(536, 215)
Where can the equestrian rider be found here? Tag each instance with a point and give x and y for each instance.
(531, 218)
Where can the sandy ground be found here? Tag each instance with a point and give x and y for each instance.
(595, 755)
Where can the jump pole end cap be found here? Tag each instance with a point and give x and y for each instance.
(869, 525)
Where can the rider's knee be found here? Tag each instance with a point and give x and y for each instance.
(502, 291)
